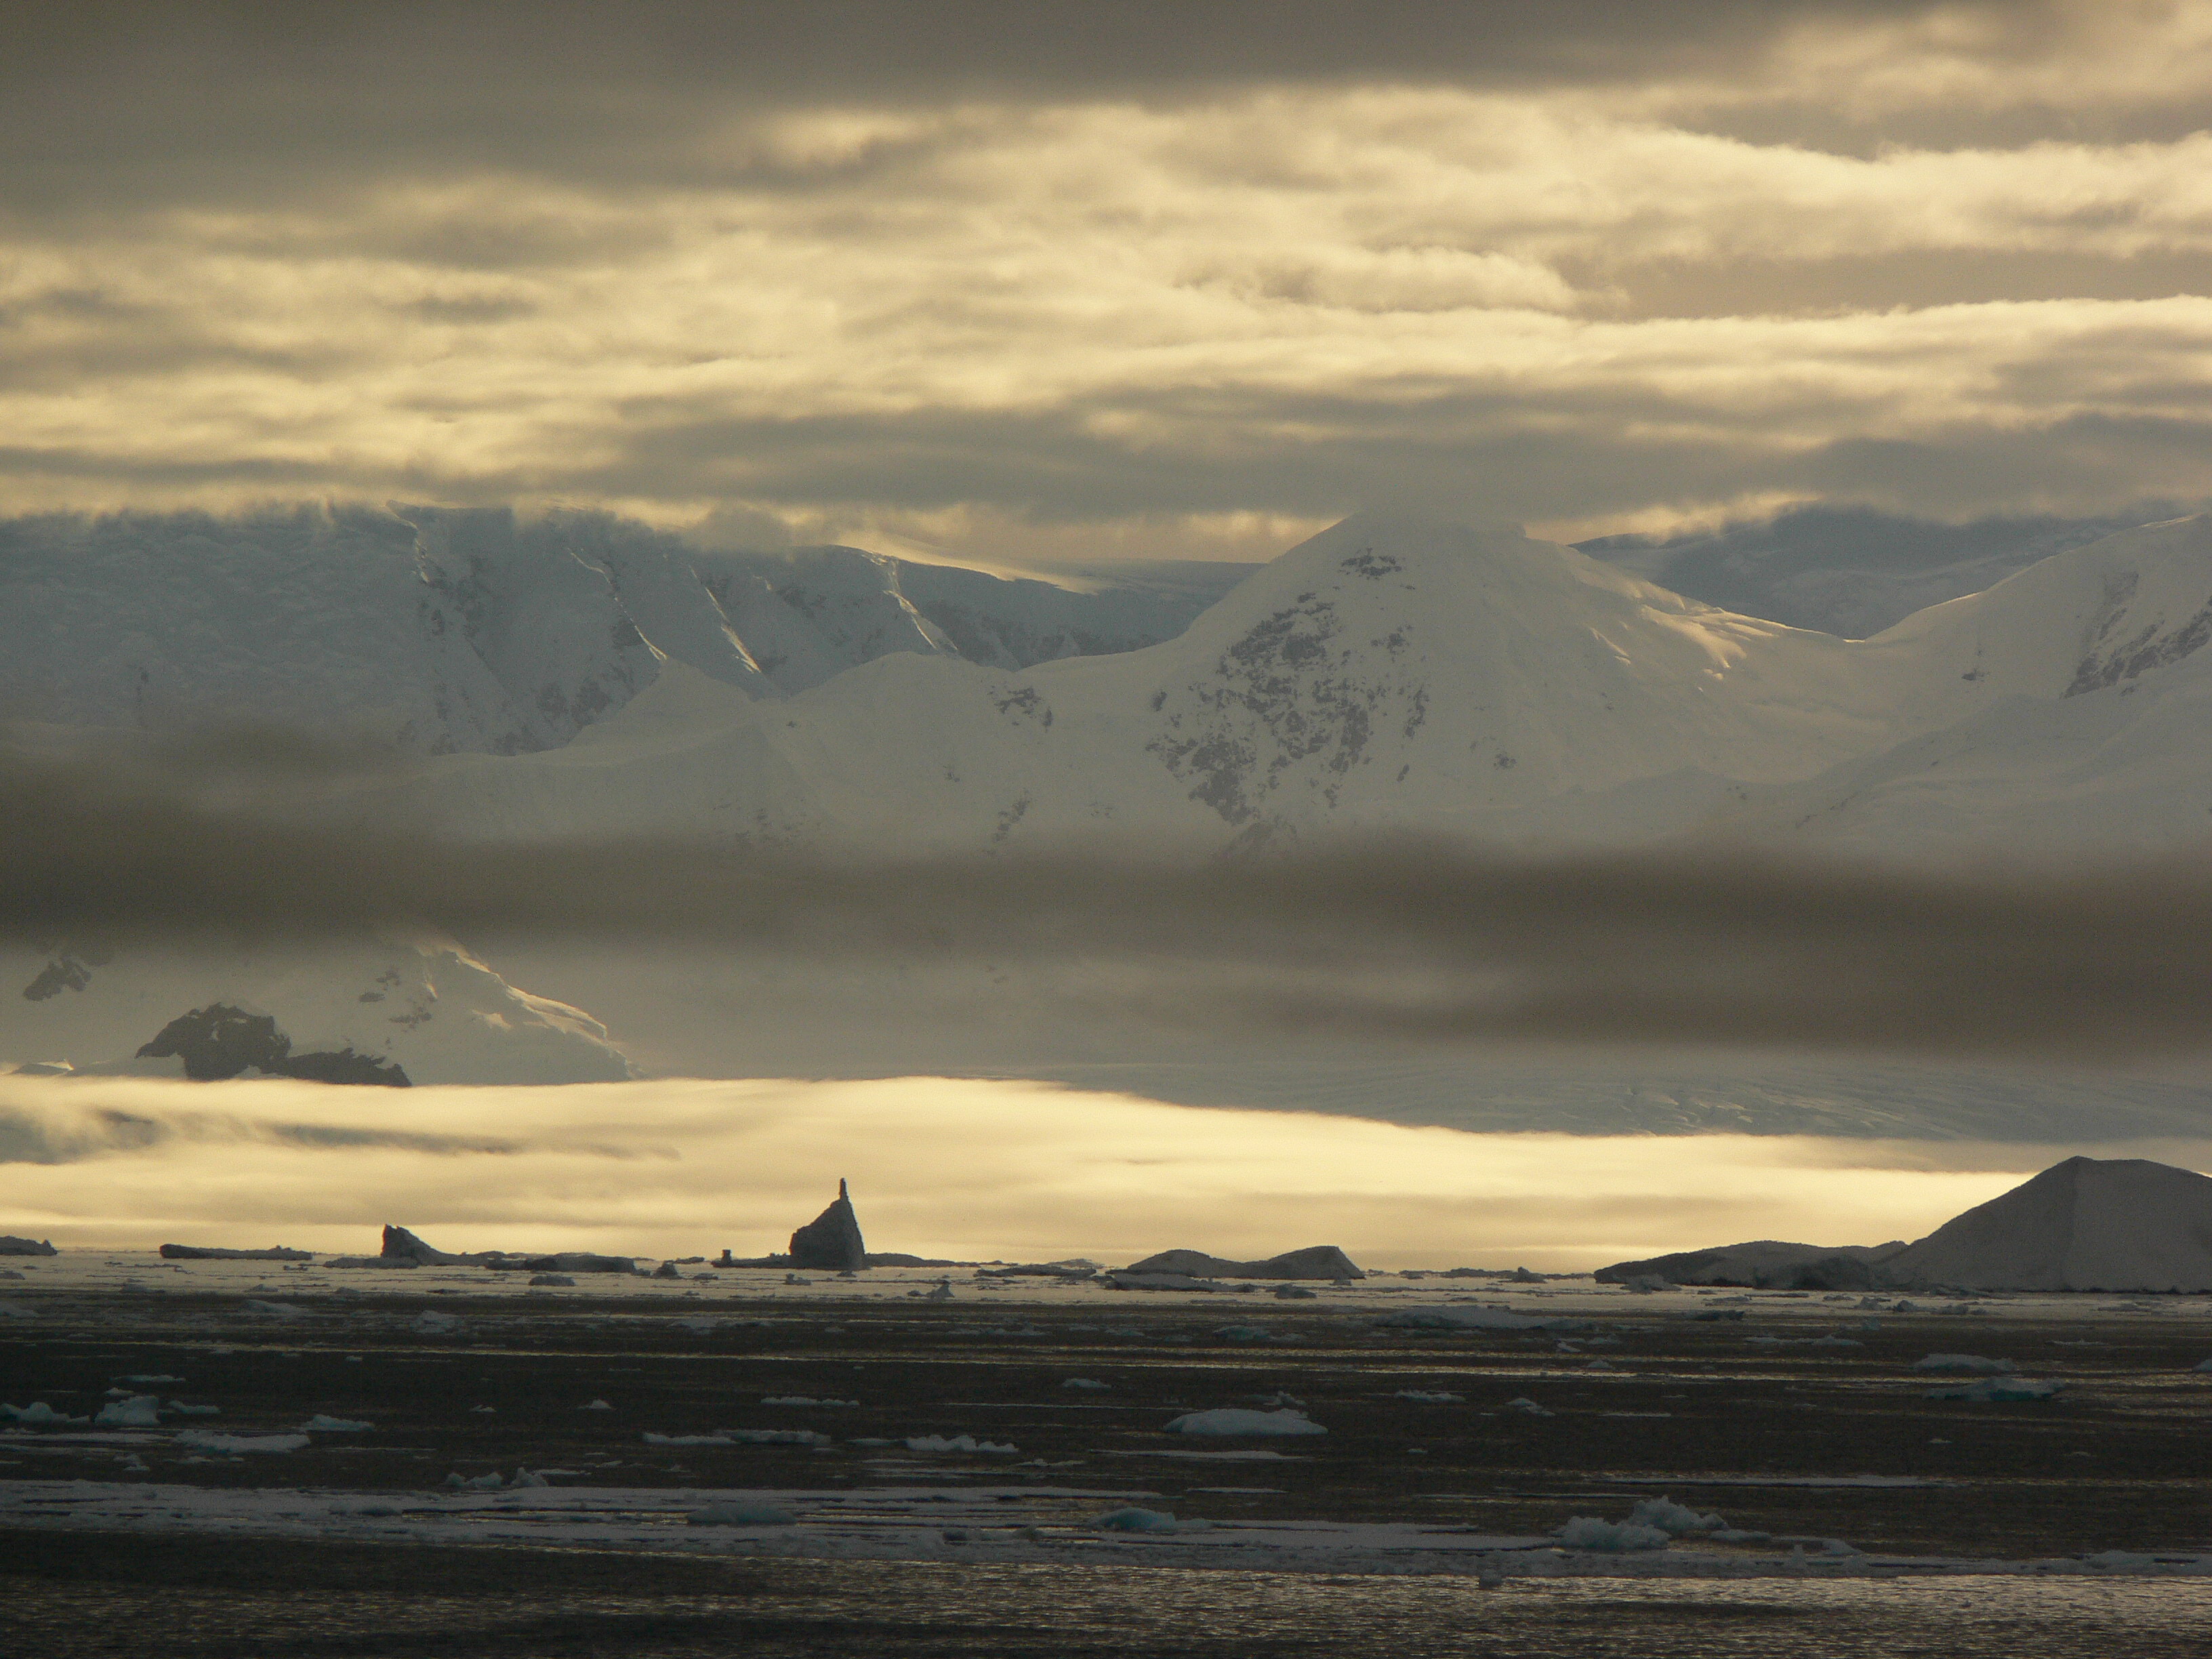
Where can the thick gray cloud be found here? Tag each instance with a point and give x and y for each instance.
(109, 103)
(943, 272)
(1381, 939)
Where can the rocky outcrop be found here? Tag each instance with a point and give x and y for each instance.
(10, 1245)
(219, 1041)
(402, 1249)
(1314, 1261)
(832, 1240)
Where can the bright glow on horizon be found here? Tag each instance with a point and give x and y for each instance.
(968, 1170)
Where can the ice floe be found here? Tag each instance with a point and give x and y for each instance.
(1230, 1420)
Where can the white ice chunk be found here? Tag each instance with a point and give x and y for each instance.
(142, 1411)
(1671, 1517)
(201, 1440)
(1965, 1362)
(1587, 1532)
(39, 1414)
(958, 1443)
(1999, 1389)
(320, 1424)
(1136, 1520)
(1230, 1420)
(741, 1513)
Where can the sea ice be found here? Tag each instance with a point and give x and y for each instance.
(183, 1410)
(272, 1309)
(1136, 1520)
(803, 1399)
(1671, 1517)
(1527, 1407)
(741, 1514)
(431, 1323)
(41, 1415)
(595, 1406)
(1965, 1362)
(201, 1440)
(552, 1278)
(140, 1411)
(688, 1440)
(1473, 1318)
(1587, 1532)
(320, 1424)
(1094, 1384)
(1999, 1389)
(958, 1443)
(1230, 1420)
(1431, 1397)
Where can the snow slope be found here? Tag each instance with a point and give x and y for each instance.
(2085, 1224)
(428, 1006)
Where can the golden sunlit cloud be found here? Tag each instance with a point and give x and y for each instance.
(972, 1170)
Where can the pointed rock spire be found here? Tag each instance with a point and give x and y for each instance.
(832, 1240)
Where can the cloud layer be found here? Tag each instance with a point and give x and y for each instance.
(1592, 265)
(970, 1169)
(1380, 938)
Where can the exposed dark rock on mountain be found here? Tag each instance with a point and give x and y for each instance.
(219, 1041)
(1316, 1261)
(832, 1240)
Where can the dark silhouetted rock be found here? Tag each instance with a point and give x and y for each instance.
(219, 1041)
(210, 1253)
(402, 1245)
(832, 1240)
(10, 1245)
(1316, 1261)
(573, 1262)
(1765, 1264)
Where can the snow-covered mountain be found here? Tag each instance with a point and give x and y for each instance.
(443, 630)
(426, 1006)
(1400, 673)
(584, 676)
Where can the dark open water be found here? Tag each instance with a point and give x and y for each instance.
(1074, 1612)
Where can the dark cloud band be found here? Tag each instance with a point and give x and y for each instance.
(1383, 937)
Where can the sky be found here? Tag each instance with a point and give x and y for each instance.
(1036, 281)
(968, 1168)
